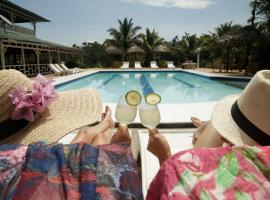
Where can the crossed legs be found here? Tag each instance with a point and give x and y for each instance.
(101, 133)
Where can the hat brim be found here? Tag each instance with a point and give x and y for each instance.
(223, 122)
(72, 110)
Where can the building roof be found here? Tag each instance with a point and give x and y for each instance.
(22, 15)
(19, 37)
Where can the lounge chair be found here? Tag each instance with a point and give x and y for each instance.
(170, 65)
(138, 65)
(178, 141)
(55, 70)
(125, 65)
(153, 65)
(70, 71)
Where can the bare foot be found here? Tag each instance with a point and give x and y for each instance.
(107, 117)
(196, 121)
(122, 135)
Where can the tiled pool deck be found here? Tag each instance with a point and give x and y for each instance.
(171, 113)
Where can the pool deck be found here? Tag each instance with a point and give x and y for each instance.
(171, 113)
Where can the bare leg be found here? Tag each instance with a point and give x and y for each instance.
(88, 135)
(209, 138)
(198, 132)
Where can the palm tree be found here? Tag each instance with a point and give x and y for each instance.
(125, 36)
(223, 29)
(150, 40)
(188, 45)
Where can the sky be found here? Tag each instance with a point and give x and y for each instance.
(78, 21)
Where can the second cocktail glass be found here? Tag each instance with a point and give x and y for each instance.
(149, 115)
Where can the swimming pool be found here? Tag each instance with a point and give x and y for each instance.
(173, 87)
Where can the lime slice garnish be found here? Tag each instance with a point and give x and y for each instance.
(153, 99)
(133, 98)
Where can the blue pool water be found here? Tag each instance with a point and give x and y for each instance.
(173, 87)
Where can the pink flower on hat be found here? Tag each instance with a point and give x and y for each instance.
(27, 104)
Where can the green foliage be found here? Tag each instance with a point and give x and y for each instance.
(95, 55)
(125, 36)
(148, 42)
(252, 52)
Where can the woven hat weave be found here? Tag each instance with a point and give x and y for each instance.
(245, 118)
(72, 110)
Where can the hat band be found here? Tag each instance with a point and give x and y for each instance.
(248, 127)
(10, 127)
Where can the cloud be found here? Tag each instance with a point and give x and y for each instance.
(187, 4)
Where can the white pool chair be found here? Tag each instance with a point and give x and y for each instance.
(178, 140)
(55, 70)
(138, 65)
(138, 76)
(125, 65)
(153, 65)
(67, 70)
(170, 65)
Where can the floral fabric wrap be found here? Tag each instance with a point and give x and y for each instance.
(222, 173)
(77, 171)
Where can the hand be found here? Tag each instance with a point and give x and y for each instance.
(158, 145)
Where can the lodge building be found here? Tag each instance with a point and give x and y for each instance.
(20, 49)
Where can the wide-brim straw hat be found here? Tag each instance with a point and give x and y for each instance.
(72, 110)
(245, 118)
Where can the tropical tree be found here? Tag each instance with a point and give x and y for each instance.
(125, 36)
(149, 41)
(95, 54)
(188, 46)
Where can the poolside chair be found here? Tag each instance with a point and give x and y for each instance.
(170, 65)
(178, 140)
(138, 65)
(125, 65)
(70, 71)
(55, 70)
(153, 65)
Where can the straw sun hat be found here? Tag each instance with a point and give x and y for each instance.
(71, 110)
(245, 118)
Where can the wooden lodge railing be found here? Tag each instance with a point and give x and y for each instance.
(31, 69)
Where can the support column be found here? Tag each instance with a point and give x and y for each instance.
(37, 52)
(13, 18)
(23, 60)
(58, 57)
(35, 28)
(198, 60)
(50, 58)
(2, 52)
(82, 60)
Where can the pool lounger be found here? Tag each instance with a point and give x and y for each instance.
(178, 140)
